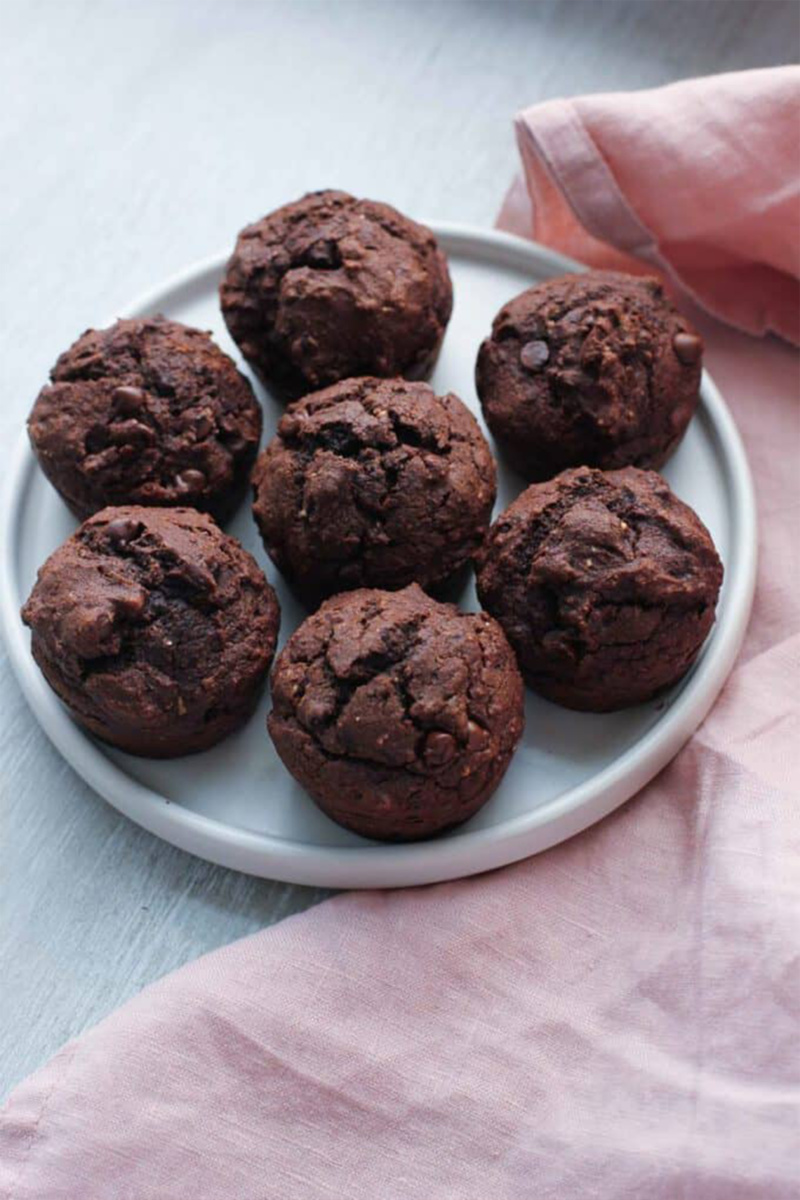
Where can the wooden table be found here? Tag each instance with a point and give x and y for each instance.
(138, 137)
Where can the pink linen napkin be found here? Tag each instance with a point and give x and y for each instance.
(618, 1018)
(699, 179)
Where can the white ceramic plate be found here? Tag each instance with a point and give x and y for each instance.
(237, 806)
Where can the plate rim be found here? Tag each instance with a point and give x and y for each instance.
(470, 851)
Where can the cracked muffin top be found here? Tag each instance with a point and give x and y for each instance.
(155, 628)
(398, 714)
(376, 483)
(330, 287)
(605, 583)
(597, 369)
(146, 412)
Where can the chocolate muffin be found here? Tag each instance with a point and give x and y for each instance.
(398, 715)
(605, 583)
(329, 287)
(598, 369)
(146, 412)
(155, 629)
(376, 483)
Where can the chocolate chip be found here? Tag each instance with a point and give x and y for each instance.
(289, 426)
(128, 399)
(123, 432)
(130, 604)
(534, 355)
(477, 737)
(190, 481)
(123, 530)
(196, 576)
(203, 425)
(688, 347)
(189, 578)
(440, 749)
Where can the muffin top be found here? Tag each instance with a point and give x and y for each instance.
(373, 482)
(155, 627)
(605, 584)
(597, 369)
(398, 714)
(331, 287)
(148, 411)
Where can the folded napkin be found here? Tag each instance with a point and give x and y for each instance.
(617, 1018)
(698, 179)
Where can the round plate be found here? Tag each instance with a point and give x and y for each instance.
(236, 805)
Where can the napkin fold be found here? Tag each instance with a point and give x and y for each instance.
(614, 1019)
(698, 179)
